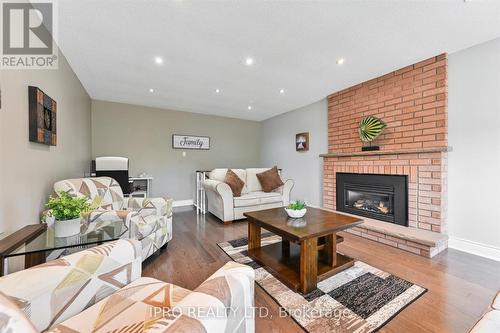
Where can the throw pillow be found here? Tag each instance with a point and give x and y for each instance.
(234, 182)
(13, 318)
(270, 179)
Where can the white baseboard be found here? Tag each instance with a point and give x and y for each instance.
(182, 203)
(480, 249)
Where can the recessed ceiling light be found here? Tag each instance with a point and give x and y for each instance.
(158, 60)
(340, 61)
(217, 91)
(282, 91)
(249, 61)
(151, 90)
(249, 107)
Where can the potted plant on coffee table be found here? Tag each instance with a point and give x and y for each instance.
(67, 212)
(296, 209)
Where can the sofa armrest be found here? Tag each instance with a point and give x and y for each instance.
(59, 289)
(222, 303)
(285, 190)
(150, 206)
(220, 199)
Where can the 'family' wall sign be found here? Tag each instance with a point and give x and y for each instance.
(190, 142)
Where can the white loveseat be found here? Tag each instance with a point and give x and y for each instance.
(222, 204)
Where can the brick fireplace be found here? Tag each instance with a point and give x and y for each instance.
(413, 103)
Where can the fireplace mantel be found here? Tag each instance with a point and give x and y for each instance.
(390, 152)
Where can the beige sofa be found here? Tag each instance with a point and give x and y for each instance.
(490, 322)
(227, 208)
(101, 290)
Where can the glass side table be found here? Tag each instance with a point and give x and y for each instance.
(35, 242)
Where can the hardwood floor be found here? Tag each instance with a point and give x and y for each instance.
(461, 286)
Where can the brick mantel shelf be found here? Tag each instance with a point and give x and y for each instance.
(391, 152)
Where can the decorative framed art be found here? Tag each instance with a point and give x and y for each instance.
(42, 117)
(190, 142)
(302, 141)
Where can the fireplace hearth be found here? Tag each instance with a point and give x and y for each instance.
(381, 197)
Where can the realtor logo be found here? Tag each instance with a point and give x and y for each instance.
(28, 38)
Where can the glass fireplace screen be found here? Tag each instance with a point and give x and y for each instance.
(372, 200)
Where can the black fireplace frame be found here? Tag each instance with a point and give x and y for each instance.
(385, 184)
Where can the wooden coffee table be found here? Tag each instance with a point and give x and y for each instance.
(298, 260)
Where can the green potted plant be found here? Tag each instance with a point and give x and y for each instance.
(296, 209)
(67, 212)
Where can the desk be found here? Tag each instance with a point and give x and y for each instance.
(141, 187)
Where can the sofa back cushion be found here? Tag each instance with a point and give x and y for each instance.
(220, 173)
(270, 179)
(235, 183)
(106, 188)
(253, 183)
(12, 318)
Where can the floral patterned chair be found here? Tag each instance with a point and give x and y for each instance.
(146, 219)
(101, 290)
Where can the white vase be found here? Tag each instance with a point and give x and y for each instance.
(67, 228)
(296, 214)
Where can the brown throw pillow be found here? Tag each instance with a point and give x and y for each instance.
(270, 179)
(234, 182)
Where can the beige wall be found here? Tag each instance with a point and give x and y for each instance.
(474, 163)
(144, 135)
(28, 170)
(278, 148)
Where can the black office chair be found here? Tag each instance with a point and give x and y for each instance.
(116, 168)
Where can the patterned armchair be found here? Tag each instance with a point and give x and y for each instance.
(146, 219)
(100, 290)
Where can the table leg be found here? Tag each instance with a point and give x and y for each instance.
(254, 235)
(285, 247)
(33, 259)
(308, 265)
(3, 265)
(331, 249)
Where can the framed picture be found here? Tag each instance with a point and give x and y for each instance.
(302, 141)
(42, 117)
(190, 142)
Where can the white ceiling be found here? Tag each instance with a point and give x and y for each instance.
(111, 46)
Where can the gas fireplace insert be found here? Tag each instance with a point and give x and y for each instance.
(381, 197)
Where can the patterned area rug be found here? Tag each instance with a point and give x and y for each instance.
(360, 299)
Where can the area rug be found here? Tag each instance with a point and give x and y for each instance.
(360, 299)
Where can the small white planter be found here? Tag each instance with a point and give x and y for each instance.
(67, 228)
(296, 214)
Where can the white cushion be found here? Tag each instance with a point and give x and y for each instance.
(220, 173)
(257, 198)
(490, 323)
(253, 183)
(496, 302)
